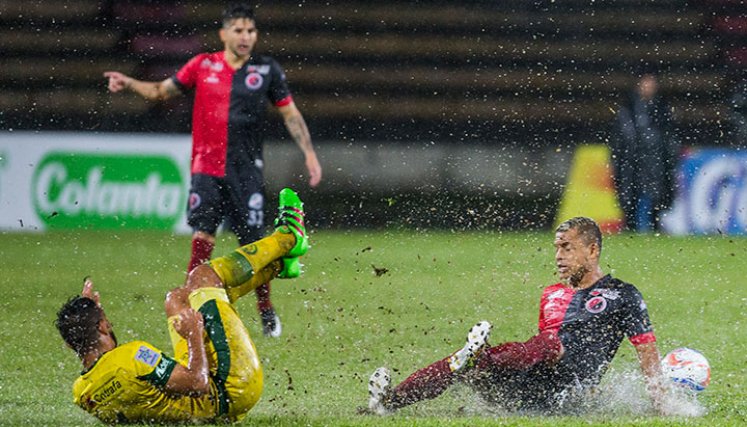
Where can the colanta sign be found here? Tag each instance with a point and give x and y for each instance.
(72, 190)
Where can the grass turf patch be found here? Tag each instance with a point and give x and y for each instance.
(371, 298)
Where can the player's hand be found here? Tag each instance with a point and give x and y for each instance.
(188, 323)
(88, 291)
(315, 170)
(117, 81)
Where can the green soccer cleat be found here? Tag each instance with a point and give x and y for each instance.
(291, 268)
(290, 220)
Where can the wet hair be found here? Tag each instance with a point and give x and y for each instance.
(587, 228)
(237, 11)
(78, 323)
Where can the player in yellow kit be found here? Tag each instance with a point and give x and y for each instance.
(216, 374)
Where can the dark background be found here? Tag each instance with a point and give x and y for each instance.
(524, 75)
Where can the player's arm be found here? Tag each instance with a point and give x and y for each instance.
(192, 379)
(152, 91)
(298, 130)
(650, 360)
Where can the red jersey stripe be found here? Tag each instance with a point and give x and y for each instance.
(646, 338)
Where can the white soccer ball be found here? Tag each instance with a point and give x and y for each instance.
(687, 368)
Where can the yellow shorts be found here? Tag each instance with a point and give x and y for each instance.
(234, 363)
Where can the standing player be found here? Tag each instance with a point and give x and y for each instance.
(581, 325)
(216, 374)
(231, 91)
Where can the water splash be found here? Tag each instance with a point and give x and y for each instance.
(622, 393)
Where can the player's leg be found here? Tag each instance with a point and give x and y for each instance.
(544, 347)
(286, 244)
(429, 382)
(204, 215)
(232, 357)
(247, 198)
(233, 360)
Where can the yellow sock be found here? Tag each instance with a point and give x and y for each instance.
(240, 266)
(263, 276)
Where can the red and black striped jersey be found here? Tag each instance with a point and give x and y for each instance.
(229, 109)
(591, 323)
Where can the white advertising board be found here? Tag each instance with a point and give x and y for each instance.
(91, 180)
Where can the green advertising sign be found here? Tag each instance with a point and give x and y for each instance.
(73, 190)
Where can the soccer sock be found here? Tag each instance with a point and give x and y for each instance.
(263, 298)
(258, 279)
(240, 266)
(543, 347)
(201, 251)
(426, 383)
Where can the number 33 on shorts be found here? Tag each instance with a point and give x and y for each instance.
(256, 210)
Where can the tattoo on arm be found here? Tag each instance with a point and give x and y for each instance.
(298, 130)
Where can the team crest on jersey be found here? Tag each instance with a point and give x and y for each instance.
(253, 81)
(147, 355)
(596, 305)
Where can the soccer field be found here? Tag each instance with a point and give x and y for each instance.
(372, 298)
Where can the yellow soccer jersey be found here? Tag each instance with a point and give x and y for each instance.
(126, 385)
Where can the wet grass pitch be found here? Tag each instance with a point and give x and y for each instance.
(370, 298)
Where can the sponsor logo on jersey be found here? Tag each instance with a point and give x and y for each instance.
(610, 294)
(212, 78)
(162, 367)
(253, 81)
(105, 392)
(261, 69)
(72, 190)
(596, 305)
(147, 355)
(557, 294)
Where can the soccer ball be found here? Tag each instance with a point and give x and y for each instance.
(687, 368)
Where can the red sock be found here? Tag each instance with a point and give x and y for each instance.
(201, 251)
(543, 347)
(426, 383)
(263, 297)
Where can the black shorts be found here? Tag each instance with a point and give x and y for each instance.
(533, 391)
(237, 200)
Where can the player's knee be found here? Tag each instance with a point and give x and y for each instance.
(201, 276)
(176, 300)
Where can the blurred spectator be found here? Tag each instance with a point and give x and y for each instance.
(738, 113)
(644, 155)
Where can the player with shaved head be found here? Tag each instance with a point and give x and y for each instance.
(582, 322)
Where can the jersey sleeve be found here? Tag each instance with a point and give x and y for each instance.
(151, 365)
(638, 326)
(186, 77)
(279, 93)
